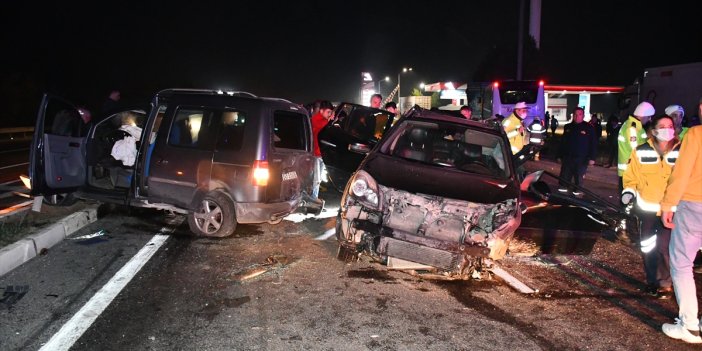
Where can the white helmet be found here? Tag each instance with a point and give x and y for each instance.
(644, 109)
(674, 108)
(520, 104)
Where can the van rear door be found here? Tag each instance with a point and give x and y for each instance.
(290, 162)
(57, 156)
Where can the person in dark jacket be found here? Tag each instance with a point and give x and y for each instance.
(613, 126)
(578, 150)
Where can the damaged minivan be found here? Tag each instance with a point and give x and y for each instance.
(221, 158)
(437, 191)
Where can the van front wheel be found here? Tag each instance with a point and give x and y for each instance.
(214, 216)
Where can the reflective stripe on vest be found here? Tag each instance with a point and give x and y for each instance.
(671, 157)
(647, 156)
(649, 244)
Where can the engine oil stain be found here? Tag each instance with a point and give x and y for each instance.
(371, 274)
(462, 292)
(234, 303)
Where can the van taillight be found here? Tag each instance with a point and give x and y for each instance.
(260, 173)
(496, 84)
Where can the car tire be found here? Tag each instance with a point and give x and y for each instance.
(214, 216)
(64, 199)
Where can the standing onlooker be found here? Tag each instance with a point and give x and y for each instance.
(631, 135)
(547, 122)
(319, 121)
(612, 129)
(554, 124)
(577, 151)
(87, 119)
(685, 191)
(376, 100)
(111, 104)
(677, 113)
(513, 127)
(644, 183)
(466, 112)
(391, 107)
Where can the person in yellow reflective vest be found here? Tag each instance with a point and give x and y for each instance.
(644, 186)
(513, 127)
(677, 113)
(631, 135)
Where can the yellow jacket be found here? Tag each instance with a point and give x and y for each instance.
(515, 132)
(631, 135)
(685, 182)
(647, 175)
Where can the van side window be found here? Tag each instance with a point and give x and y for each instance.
(231, 130)
(290, 130)
(193, 128)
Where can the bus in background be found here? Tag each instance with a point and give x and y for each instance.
(506, 94)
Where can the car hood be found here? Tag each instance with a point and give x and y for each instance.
(416, 177)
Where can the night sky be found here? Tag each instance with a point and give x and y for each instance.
(306, 50)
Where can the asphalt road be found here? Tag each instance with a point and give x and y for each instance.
(274, 287)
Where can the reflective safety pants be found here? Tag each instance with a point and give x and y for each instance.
(657, 261)
(685, 241)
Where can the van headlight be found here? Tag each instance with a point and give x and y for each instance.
(365, 190)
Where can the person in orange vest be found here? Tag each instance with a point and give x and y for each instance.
(684, 191)
(644, 184)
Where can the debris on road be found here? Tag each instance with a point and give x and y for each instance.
(12, 294)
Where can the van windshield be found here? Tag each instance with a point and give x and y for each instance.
(514, 92)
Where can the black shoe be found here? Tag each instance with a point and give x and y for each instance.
(664, 293)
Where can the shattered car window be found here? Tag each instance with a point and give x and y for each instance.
(444, 144)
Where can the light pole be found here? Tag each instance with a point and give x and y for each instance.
(399, 94)
(387, 79)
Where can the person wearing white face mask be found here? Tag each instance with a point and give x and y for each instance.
(645, 179)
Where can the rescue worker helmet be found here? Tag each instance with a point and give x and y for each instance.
(674, 108)
(644, 109)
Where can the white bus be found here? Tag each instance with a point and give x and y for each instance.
(505, 94)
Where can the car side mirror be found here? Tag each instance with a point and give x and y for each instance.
(359, 148)
(540, 189)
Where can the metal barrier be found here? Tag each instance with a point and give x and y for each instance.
(16, 134)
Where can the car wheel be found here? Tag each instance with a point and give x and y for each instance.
(214, 216)
(65, 199)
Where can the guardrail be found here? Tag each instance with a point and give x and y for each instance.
(16, 134)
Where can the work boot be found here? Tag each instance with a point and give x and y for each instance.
(677, 331)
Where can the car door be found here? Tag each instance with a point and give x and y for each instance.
(346, 140)
(566, 223)
(57, 161)
(181, 160)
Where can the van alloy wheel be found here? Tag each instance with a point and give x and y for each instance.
(214, 216)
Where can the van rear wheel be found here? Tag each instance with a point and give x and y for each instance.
(214, 216)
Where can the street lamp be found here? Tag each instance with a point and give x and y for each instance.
(399, 90)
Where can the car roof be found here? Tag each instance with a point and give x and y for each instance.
(224, 94)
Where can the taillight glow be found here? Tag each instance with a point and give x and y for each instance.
(260, 173)
(496, 85)
(541, 83)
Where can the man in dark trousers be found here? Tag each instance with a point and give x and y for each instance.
(578, 150)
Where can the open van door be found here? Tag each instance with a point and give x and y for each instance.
(57, 154)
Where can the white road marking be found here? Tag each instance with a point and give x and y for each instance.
(326, 234)
(13, 166)
(81, 321)
(10, 182)
(512, 281)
